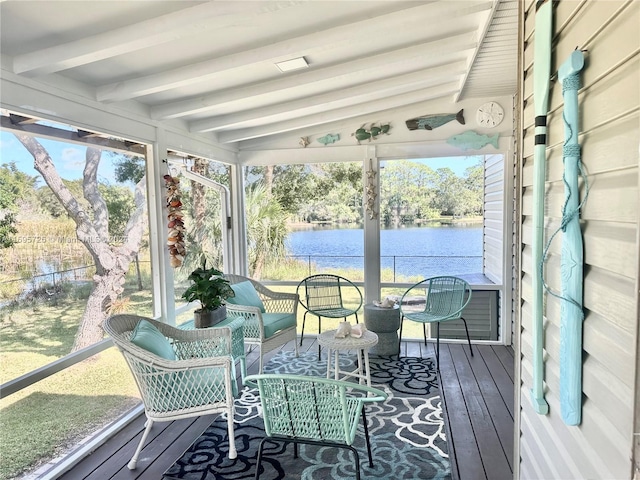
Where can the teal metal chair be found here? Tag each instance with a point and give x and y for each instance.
(180, 373)
(322, 295)
(436, 300)
(313, 410)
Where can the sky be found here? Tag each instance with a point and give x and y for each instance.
(69, 159)
(457, 164)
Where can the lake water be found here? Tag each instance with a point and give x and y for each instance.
(422, 251)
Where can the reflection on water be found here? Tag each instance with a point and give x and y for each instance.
(422, 251)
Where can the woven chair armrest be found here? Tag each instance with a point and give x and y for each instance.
(281, 295)
(162, 365)
(183, 335)
(265, 291)
(241, 310)
(209, 342)
(282, 303)
(224, 361)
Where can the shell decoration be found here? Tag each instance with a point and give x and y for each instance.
(175, 225)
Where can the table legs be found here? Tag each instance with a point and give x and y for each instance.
(362, 373)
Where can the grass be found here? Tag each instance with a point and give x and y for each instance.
(40, 422)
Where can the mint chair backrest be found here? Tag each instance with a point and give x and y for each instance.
(447, 296)
(312, 408)
(323, 292)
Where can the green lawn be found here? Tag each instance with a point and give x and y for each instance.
(40, 422)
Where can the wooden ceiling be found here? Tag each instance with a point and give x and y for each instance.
(211, 66)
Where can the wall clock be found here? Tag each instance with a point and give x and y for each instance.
(490, 115)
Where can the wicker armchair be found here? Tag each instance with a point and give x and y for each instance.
(191, 373)
(313, 410)
(270, 317)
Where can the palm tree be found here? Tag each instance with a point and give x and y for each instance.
(266, 228)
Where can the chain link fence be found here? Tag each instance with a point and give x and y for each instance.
(396, 268)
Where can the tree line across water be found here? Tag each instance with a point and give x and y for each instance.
(410, 191)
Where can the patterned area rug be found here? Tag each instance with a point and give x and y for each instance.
(406, 431)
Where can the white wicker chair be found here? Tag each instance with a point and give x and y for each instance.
(199, 382)
(259, 327)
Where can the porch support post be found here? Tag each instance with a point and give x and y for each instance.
(164, 305)
(239, 263)
(371, 170)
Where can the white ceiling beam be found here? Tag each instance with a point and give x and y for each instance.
(347, 96)
(165, 28)
(339, 114)
(69, 136)
(431, 49)
(297, 46)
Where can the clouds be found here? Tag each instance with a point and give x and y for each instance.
(72, 160)
(68, 159)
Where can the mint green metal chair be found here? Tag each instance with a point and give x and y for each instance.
(436, 300)
(313, 410)
(322, 295)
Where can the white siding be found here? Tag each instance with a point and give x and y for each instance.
(602, 445)
(493, 231)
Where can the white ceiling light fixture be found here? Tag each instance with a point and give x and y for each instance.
(293, 64)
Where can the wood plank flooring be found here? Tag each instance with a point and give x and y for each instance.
(478, 397)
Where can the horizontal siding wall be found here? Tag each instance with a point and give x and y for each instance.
(481, 315)
(609, 101)
(493, 227)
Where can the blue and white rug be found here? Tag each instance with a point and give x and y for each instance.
(407, 431)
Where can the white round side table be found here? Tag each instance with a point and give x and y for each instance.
(362, 345)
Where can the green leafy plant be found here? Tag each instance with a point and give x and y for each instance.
(209, 287)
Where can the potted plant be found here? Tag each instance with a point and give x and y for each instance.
(211, 289)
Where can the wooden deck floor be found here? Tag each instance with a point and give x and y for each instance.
(478, 398)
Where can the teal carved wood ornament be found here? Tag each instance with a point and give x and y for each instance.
(329, 138)
(429, 122)
(471, 140)
(541, 81)
(372, 132)
(572, 251)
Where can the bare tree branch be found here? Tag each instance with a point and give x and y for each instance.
(85, 231)
(92, 194)
(111, 262)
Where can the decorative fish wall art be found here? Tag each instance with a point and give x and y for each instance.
(329, 138)
(372, 133)
(429, 122)
(471, 140)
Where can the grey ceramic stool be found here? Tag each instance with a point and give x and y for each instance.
(385, 322)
